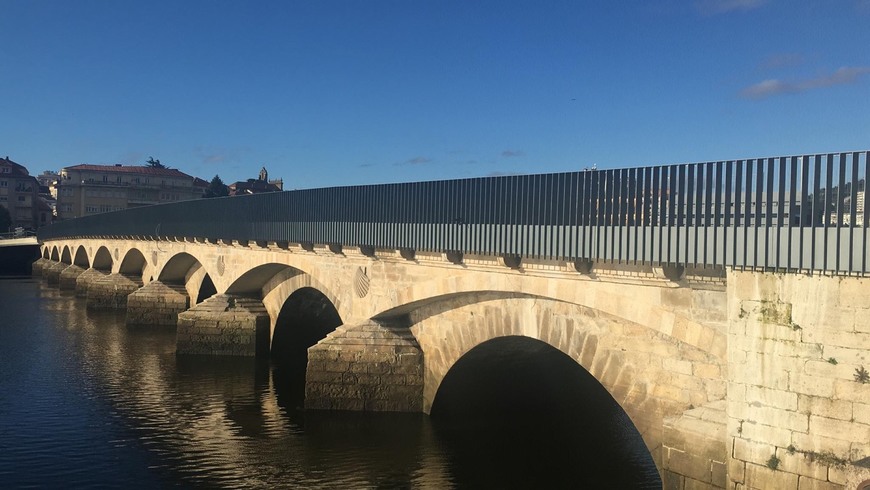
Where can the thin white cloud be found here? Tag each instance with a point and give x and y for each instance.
(513, 153)
(769, 88)
(713, 7)
(416, 161)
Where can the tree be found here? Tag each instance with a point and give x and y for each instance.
(5, 219)
(217, 188)
(152, 163)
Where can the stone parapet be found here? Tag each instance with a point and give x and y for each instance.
(369, 367)
(51, 274)
(109, 292)
(85, 279)
(68, 277)
(224, 325)
(157, 303)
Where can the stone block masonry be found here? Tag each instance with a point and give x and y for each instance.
(85, 279)
(109, 292)
(798, 406)
(51, 274)
(365, 367)
(69, 276)
(224, 325)
(157, 303)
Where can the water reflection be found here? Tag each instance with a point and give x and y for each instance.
(91, 401)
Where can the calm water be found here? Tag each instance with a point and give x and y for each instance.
(86, 401)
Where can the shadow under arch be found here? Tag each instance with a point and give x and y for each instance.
(55, 255)
(45, 253)
(519, 412)
(66, 255)
(103, 260)
(133, 263)
(183, 269)
(81, 258)
(306, 317)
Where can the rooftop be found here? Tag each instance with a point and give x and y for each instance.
(131, 169)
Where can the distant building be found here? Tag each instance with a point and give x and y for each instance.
(19, 194)
(256, 186)
(91, 189)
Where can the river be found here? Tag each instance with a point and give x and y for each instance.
(86, 401)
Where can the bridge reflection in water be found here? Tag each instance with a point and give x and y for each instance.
(232, 424)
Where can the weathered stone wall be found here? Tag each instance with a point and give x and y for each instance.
(799, 393)
(224, 325)
(695, 449)
(157, 303)
(365, 367)
(37, 266)
(109, 292)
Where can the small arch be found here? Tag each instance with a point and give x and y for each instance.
(66, 256)
(176, 269)
(81, 258)
(55, 255)
(45, 253)
(531, 402)
(103, 260)
(133, 263)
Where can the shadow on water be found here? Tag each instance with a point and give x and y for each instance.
(515, 412)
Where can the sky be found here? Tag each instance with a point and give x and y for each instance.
(327, 92)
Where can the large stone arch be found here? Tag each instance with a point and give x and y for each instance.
(186, 269)
(529, 400)
(633, 362)
(649, 305)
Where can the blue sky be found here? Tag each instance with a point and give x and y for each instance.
(352, 92)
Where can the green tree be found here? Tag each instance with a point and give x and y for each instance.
(151, 162)
(5, 219)
(217, 188)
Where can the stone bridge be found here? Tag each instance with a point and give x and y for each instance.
(721, 373)
(732, 330)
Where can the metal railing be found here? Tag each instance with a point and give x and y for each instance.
(789, 213)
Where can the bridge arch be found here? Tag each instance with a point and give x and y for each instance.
(625, 357)
(133, 263)
(103, 260)
(55, 255)
(66, 255)
(186, 270)
(523, 395)
(81, 257)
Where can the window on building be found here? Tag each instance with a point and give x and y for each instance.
(4, 183)
(105, 178)
(21, 198)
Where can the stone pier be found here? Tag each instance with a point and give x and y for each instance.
(224, 325)
(110, 292)
(68, 277)
(38, 265)
(157, 303)
(85, 279)
(365, 367)
(51, 274)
